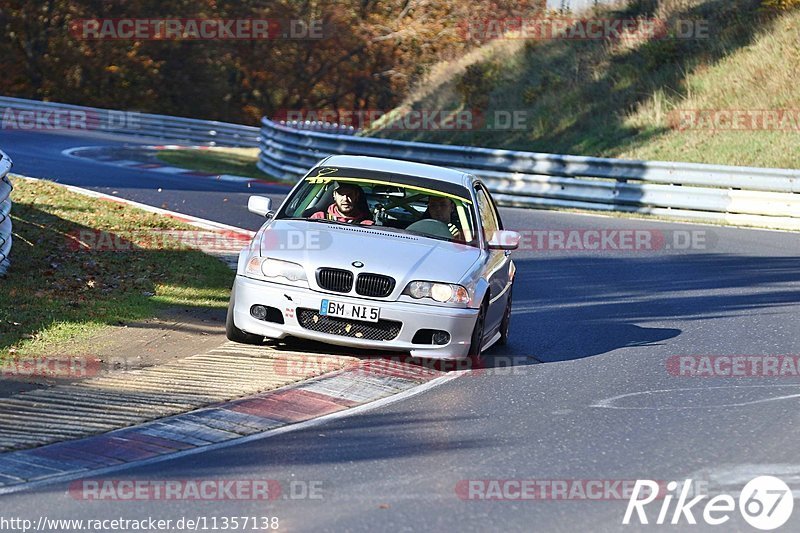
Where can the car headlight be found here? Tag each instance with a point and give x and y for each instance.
(277, 270)
(440, 292)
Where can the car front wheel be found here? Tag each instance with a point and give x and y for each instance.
(477, 334)
(504, 325)
(235, 334)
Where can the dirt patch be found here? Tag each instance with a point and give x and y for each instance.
(175, 333)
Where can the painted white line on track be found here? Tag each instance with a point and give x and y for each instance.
(189, 219)
(163, 169)
(70, 152)
(234, 179)
(609, 403)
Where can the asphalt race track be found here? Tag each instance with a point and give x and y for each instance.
(587, 390)
(40, 155)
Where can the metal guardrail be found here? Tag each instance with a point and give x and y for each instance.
(21, 114)
(746, 196)
(5, 212)
(737, 195)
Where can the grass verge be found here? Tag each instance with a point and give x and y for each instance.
(621, 99)
(57, 292)
(233, 161)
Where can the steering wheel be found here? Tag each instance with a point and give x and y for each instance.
(431, 226)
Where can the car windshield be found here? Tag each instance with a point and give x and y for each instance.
(398, 204)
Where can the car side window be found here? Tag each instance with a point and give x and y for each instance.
(488, 216)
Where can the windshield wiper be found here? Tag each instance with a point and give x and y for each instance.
(411, 232)
(428, 235)
(325, 220)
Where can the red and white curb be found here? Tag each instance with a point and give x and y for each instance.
(367, 385)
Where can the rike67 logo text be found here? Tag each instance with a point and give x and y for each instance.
(765, 502)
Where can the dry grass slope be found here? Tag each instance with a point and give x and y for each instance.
(619, 99)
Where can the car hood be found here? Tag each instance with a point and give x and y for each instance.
(403, 256)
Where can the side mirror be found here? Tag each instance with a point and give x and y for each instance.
(260, 205)
(504, 240)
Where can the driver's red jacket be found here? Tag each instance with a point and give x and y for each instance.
(334, 214)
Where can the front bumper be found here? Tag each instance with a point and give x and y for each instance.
(413, 317)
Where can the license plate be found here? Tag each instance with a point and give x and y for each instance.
(356, 312)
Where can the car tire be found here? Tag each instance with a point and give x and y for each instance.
(474, 352)
(235, 334)
(504, 325)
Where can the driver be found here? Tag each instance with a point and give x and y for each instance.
(349, 205)
(441, 209)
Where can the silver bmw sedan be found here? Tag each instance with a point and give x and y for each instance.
(379, 254)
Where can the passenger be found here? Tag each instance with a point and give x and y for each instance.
(349, 205)
(441, 209)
